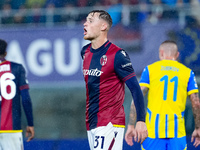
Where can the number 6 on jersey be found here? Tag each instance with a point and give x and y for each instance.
(6, 81)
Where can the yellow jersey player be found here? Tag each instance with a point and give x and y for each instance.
(168, 84)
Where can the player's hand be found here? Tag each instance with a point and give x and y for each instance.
(130, 133)
(30, 133)
(141, 132)
(196, 137)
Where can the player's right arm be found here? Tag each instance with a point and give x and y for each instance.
(194, 98)
(193, 93)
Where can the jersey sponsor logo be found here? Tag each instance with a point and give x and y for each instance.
(103, 60)
(5, 68)
(92, 72)
(128, 64)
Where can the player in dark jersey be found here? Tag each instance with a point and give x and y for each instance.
(13, 87)
(106, 69)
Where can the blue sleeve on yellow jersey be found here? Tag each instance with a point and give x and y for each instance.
(123, 66)
(192, 85)
(145, 76)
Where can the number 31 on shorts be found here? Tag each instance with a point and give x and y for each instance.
(99, 141)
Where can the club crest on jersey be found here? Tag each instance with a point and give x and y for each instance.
(103, 60)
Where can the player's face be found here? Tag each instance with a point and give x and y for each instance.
(92, 26)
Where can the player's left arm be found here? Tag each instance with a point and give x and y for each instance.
(125, 71)
(27, 104)
(145, 81)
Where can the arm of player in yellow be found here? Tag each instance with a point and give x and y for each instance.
(140, 132)
(194, 98)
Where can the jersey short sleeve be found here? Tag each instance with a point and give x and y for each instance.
(123, 66)
(144, 81)
(192, 84)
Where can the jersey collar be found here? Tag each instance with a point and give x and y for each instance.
(100, 48)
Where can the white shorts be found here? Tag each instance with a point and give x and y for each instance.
(11, 141)
(106, 138)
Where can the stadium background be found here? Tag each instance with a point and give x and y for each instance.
(47, 36)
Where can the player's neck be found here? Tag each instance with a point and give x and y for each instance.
(169, 58)
(96, 43)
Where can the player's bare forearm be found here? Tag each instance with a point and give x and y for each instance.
(196, 108)
(133, 115)
(144, 90)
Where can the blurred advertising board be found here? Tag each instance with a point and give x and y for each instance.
(48, 54)
(53, 54)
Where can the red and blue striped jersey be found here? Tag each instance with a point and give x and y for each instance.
(12, 81)
(105, 71)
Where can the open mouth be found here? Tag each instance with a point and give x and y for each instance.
(85, 31)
